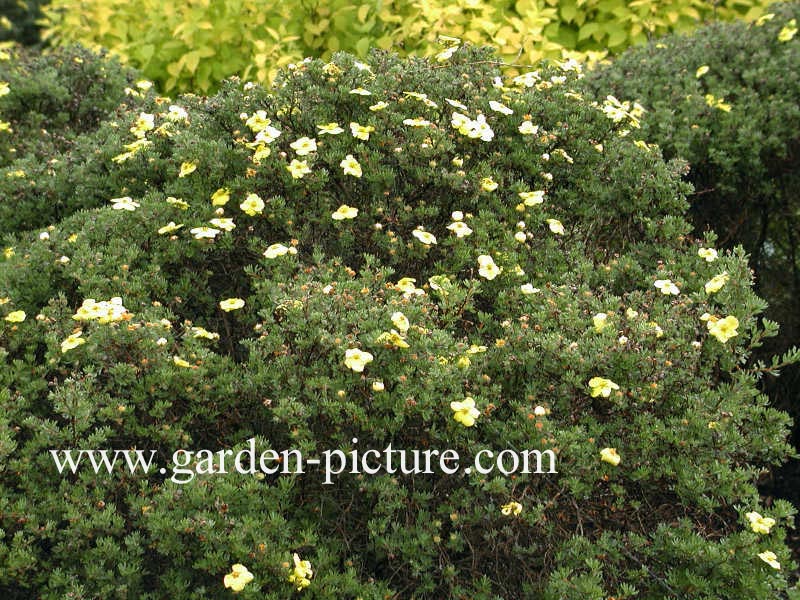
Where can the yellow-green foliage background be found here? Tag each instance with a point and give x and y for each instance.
(192, 44)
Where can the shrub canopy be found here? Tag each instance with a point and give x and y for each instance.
(355, 254)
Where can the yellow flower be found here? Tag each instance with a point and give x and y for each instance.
(378, 106)
(350, 166)
(600, 321)
(512, 508)
(771, 559)
(359, 91)
(356, 359)
(465, 412)
(600, 386)
(8, 252)
(501, 108)
(179, 362)
(723, 329)
(125, 203)
(17, 316)
(555, 226)
(760, 524)
(361, 131)
(487, 268)
(200, 332)
(400, 321)
(488, 184)
(532, 198)
(72, 341)
(718, 103)
(169, 228)
(224, 224)
(528, 288)
(701, 71)
(460, 228)
(330, 129)
(231, 304)
(709, 254)
(424, 236)
(344, 212)
(715, 283)
(200, 233)
(187, 168)
(258, 122)
(301, 575)
(252, 205)
(377, 386)
(276, 250)
(667, 287)
(610, 456)
(182, 204)
(528, 128)
(105, 311)
(221, 197)
(298, 168)
(4, 88)
(392, 339)
(304, 146)
(406, 285)
(764, 18)
(416, 122)
(788, 31)
(237, 578)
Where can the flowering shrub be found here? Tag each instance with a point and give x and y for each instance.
(727, 99)
(48, 103)
(400, 253)
(191, 46)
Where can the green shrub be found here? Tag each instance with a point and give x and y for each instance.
(693, 434)
(191, 46)
(51, 102)
(744, 155)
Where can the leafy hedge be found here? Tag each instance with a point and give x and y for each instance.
(727, 99)
(402, 252)
(192, 46)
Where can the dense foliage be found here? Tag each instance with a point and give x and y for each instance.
(193, 45)
(727, 100)
(422, 254)
(48, 105)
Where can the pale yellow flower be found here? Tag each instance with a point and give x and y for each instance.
(771, 559)
(702, 70)
(709, 254)
(330, 129)
(72, 341)
(487, 268)
(223, 223)
(392, 339)
(356, 359)
(252, 205)
(667, 287)
(528, 128)
(532, 198)
(501, 108)
(276, 250)
(351, 166)
(125, 203)
(760, 524)
(555, 226)
(400, 321)
(788, 32)
(717, 282)
(723, 329)
(610, 456)
(169, 228)
(600, 321)
(464, 412)
(17, 316)
(361, 132)
(204, 232)
(424, 236)
(511, 509)
(187, 168)
(301, 575)
(179, 362)
(488, 184)
(231, 304)
(460, 228)
(344, 212)
(237, 578)
(600, 386)
(304, 146)
(298, 168)
(221, 197)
